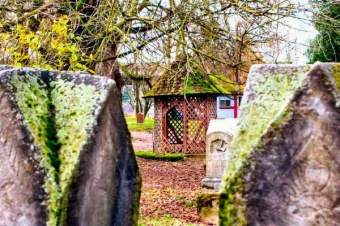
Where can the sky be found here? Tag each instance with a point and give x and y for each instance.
(302, 32)
(299, 33)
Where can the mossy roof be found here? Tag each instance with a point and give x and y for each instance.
(179, 82)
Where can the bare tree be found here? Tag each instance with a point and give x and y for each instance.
(223, 36)
(141, 78)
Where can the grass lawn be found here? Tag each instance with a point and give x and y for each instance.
(147, 126)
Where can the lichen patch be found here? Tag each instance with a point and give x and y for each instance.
(60, 116)
(272, 89)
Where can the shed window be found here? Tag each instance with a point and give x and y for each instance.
(226, 103)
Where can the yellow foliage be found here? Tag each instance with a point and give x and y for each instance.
(51, 47)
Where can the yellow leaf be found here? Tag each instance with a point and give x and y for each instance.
(74, 57)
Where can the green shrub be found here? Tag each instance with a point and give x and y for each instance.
(163, 157)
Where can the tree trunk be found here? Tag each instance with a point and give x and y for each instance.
(110, 68)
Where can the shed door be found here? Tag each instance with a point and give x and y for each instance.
(174, 126)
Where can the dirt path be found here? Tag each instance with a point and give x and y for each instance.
(142, 140)
(169, 189)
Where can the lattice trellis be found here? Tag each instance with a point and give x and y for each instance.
(212, 108)
(181, 123)
(174, 126)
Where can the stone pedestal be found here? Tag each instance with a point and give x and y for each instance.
(207, 208)
(219, 135)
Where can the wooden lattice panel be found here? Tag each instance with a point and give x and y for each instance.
(171, 148)
(212, 107)
(183, 123)
(174, 126)
(196, 124)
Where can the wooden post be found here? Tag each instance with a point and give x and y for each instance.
(185, 125)
(235, 105)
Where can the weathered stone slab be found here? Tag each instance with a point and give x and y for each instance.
(219, 135)
(208, 207)
(284, 167)
(67, 157)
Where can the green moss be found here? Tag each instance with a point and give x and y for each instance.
(32, 99)
(59, 117)
(206, 200)
(74, 110)
(53, 144)
(197, 84)
(336, 74)
(137, 197)
(169, 157)
(272, 92)
(224, 84)
(193, 83)
(52, 140)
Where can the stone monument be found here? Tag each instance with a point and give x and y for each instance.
(219, 135)
(66, 154)
(284, 167)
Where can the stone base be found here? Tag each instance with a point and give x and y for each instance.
(211, 183)
(208, 208)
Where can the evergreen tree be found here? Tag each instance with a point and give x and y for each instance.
(325, 46)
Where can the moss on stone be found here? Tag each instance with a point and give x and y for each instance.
(272, 91)
(59, 116)
(74, 111)
(53, 144)
(336, 74)
(206, 199)
(32, 98)
(136, 203)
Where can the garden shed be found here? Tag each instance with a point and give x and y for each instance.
(184, 104)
